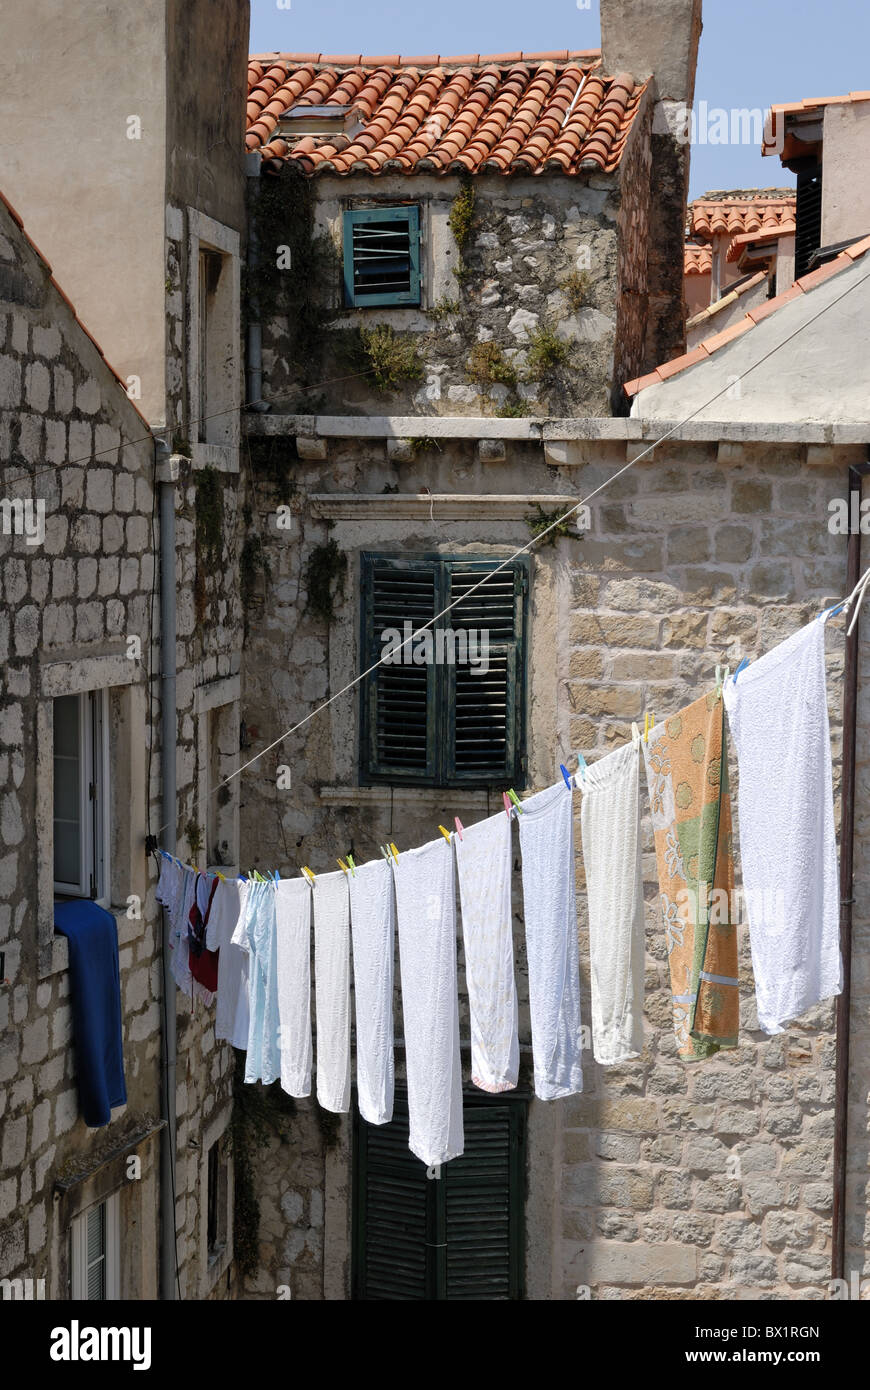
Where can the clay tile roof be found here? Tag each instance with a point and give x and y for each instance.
(16, 218)
(505, 112)
(739, 212)
(697, 260)
(705, 349)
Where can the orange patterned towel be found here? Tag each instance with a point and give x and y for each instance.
(687, 775)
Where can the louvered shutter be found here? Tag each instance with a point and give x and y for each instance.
(483, 707)
(808, 219)
(399, 699)
(458, 1237)
(449, 723)
(382, 256)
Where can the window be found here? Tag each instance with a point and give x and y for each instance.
(456, 1236)
(808, 215)
(216, 1200)
(94, 1252)
(216, 1204)
(81, 795)
(447, 709)
(382, 256)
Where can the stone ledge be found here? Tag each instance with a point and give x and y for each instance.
(445, 506)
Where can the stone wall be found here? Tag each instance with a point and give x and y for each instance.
(541, 254)
(713, 1182)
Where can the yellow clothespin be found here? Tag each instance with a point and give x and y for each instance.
(445, 833)
(342, 865)
(649, 723)
(395, 852)
(308, 874)
(352, 865)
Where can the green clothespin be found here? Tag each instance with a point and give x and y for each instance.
(515, 799)
(352, 865)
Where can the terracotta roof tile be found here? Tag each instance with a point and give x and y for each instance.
(758, 238)
(508, 112)
(754, 316)
(709, 217)
(697, 260)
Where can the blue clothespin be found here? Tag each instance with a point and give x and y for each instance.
(832, 612)
(564, 771)
(744, 662)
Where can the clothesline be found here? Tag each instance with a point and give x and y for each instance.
(248, 940)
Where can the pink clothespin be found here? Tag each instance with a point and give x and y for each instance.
(459, 826)
(508, 805)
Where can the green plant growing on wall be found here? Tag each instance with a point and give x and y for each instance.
(444, 309)
(561, 522)
(488, 366)
(253, 562)
(423, 444)
(273, 459)
(461, 221)
(388, 357)
(194, 836)
(259, 1113)
(577, 288)
(514, 408)
(325, 576)
(547, 352)
(209, 529)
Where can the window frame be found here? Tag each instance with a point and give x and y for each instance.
(79, 1265)
(441, 685)
(94, 812)
(352, 217)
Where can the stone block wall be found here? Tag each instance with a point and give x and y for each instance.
(710, 1182)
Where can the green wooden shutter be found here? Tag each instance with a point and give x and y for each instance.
(484, 710)
(381, 256)
(458, 1237)
(399, 700)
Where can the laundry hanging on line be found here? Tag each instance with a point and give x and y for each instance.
(686, 766)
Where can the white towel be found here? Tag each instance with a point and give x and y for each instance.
(610, 824)
(231, 1021)
(547, 842)
(483, 862)
(778, 713)
(332, 990)
(372, 920)
(293, 933)
(426, 909)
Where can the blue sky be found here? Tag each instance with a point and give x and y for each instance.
(753, 52)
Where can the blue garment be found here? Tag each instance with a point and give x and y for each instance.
(95, 992)
(258, 935)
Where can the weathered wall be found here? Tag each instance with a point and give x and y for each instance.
(845, 181)
(713, 1182)
(527, 240)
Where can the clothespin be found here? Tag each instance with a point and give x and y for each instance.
(635, 733)
(394, 851)
(649, 723)
(306, 872)
(459, 826)
(567, 776)
(276, 876)
(445, 833)
(507, 804)
(341, 864)
(385, 852)
(515, 799)
(352, 865)
(744, 662)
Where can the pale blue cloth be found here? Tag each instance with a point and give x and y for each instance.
(256, 934)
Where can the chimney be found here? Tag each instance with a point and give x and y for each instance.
(653, 38)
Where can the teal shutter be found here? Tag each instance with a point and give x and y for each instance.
(457, 1237)
(460, 720)
(381, 256)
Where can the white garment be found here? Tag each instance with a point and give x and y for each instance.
(332, 990)
(170, 882)
(293, 931)
(426, 912)
(553, 951)
(372, 921)
(778, 713)
(179, 926)
(231, 1019)
(483, 862)
(610, 824)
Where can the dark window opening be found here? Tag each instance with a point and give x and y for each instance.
(382, 256)
(808, 217)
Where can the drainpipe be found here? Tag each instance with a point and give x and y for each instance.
(167, 477)
(847, 852)
(254, 345)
